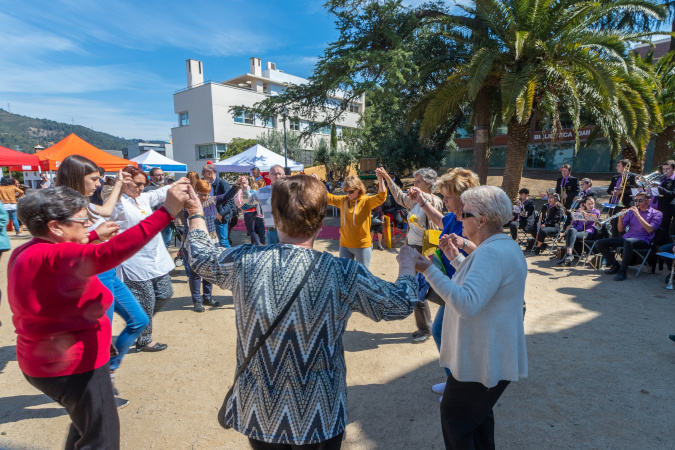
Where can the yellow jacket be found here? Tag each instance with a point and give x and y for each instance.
(355, 218)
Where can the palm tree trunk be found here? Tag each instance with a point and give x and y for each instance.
(662, 150)
(481, 136)
(516, 152)
(636, 164)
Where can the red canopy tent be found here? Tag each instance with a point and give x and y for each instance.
(51, 158)
(10, 157)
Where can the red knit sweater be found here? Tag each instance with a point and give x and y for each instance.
(59, 304)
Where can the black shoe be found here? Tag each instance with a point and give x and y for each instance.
(199, 307)
(210, 302)
(568, 260)
(620, 276)
(121, 402)
(671, 337)
(537, 250)
(612, 270)
(155, 348)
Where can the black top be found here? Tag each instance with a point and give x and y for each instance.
(552, 216)
(526, 222)
(228, 209)
(666, 200)
(571, 188)
(627, 195)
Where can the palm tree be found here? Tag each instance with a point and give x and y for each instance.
(547, 58)
(665, 72)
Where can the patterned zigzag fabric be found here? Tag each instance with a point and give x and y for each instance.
(294, 390)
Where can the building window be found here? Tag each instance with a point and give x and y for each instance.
(268, 122)
(205, 151)
(325, 129)
(295, 125)
(183, 119)
(353, 107)
(221, 149)
(244, 118)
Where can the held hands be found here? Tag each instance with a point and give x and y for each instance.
(107, 230)
(177, 196)
(193, 205)
(408, 261)
(382, 173)
(449, 248)
(415, 194)
(123, 178)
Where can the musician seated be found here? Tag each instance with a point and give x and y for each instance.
(583, 229)
(523, 216)
(641, 222)
(550, 220)
(586, 191)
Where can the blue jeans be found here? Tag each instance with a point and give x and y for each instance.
(222, 230)
(167, 233)
(15, 220)
(129, 309)
(437, 330)
(272, 237)
(195, 282)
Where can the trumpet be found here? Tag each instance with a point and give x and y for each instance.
(645, 181)
(599, 225)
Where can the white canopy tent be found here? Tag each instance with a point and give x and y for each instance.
(151, 159)
(256, 156)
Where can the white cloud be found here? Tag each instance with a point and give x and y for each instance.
(129, 121)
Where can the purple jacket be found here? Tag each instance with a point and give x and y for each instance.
(651, 216)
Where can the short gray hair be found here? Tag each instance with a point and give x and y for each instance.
(428, 175)
(490, 202)
(38, 209)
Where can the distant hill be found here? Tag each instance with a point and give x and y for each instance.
(26, 133)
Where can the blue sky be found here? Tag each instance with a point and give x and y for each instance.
(114, 65)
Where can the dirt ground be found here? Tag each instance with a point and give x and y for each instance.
(600, 372)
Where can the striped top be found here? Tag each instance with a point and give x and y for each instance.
(262, 197)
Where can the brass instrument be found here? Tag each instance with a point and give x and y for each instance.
(599, 225)
(622, 187)
(576, 201)
(652, 180)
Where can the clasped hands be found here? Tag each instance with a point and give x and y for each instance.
(410, 259)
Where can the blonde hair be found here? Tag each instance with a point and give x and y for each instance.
(456, 181)
(352, 182)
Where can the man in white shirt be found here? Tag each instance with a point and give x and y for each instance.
(263, 197)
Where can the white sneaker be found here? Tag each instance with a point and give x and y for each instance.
(438, 388)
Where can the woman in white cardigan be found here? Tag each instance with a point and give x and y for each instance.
(483, 342)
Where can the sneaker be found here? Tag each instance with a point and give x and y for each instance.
(438, 388)
(379, 247)
(620, 276)
(209, 302)
(121, 402)
(199, 307)
(568, 260)
(420, 337)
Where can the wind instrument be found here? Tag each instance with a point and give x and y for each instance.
(618, 201)
(576, 201)
(672, 274)
(599, 225)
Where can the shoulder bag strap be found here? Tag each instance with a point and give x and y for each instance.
(261, 341)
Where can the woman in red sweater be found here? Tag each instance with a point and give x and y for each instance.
(59, 305)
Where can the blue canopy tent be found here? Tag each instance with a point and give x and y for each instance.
(151, 159)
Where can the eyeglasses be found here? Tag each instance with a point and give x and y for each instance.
(81, 220)
(350, 192)
(466, 215)
(139, 185)
(640, 200)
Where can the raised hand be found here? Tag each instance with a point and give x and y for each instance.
(448, 248)
(177, 195)
(123, 178)
(193, 205)
(243, 181)
(381, 173)
(107, 230)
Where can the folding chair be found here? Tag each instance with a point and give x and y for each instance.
(556, 243)
(642, 254)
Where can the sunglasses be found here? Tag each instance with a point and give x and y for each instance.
(350, 192)
(466, 215)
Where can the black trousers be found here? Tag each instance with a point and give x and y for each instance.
(544, 232)
(630, 244)
(467, 419)
(90, 403)
(333, 443)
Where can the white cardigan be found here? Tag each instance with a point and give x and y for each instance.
(483, 338)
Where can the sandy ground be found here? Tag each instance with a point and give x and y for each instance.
(600, 372)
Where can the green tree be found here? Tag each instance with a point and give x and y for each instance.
(546, 59)
(333, 137)
(322, 154)
(665, 72)
(236, 146)
(274, 140)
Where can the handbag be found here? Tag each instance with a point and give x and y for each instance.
(261, 341)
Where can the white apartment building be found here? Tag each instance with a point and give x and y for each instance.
(206, 125)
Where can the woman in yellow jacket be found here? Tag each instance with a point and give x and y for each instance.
(355, 207)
